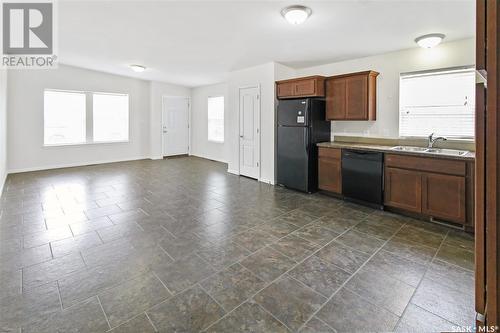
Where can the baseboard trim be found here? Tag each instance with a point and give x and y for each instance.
(156, 157)
(267, 181)
(72, 165)
(234, 172)
(207, 157)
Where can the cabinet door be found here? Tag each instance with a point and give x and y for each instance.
(356, 98)
(286, 89)
(336, 99)
(305, 88)
(444, 197)
(403, 189)
(329, 174)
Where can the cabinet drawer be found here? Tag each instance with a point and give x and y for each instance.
(450, 167)
(334, 153)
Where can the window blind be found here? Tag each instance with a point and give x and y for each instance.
(440, 102)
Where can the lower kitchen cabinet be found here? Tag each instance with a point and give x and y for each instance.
(403, 189)
(429, 186)
(330, 170)
(443, 196)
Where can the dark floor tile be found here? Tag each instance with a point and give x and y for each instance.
(298, 217)
(451, 275)
(457, 256)
(232, 286)
(183, 272)
(132, 297)
(404, 270)
(381, 289)
(314, 209)
(342, 256)
(319, 275)
(137, 324)
(191, 311)
(416, 320)
(254, 239)
(33, 305)
(350, 212)
(278, 228)
(249, 317)
(360, 241)
(51, 270)
(23, 258)
(421, 236)
(316, 326)
(84, 284)
(316, 234)
(337, 223)
(182, 245)
(295, 247)
(223, 255)
(121, 230)
(133, 215)
(268, 264)
(108, 253)
(446, 302)
(348, 312)
(84, 317)
(290, 301)
(75, 245)
(90, 225)
(44, 237)
(379, 226)
(460, 239)
(410, 250)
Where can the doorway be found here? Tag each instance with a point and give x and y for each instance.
(249, 113)
(175, 125)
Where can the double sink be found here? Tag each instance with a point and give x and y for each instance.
(436, 151)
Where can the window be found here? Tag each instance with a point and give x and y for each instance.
(440, 102)
(110, 117)
(216, 119)
(64, 117)
(66, 114)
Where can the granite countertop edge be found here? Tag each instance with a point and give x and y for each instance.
(470, 156)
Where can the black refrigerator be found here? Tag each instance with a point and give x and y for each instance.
(301, 124)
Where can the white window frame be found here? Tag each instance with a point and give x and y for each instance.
(89, 119)
(223, 119)
(430, 72)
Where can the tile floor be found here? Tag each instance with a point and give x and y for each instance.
(180, 245)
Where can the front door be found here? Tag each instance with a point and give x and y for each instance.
(250, 132)
(175, 125)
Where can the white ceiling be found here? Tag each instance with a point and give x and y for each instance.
(194, 43)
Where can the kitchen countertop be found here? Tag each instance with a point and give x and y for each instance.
(470, 156)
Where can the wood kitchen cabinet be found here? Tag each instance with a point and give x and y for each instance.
(403, 189)
(351, 96)
(429, 186)
(330, 170)
(443, 197)
(311, 86)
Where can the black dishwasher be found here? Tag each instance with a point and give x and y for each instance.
(362, 176)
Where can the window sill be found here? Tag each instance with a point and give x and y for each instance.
(83, 144)
(213, 141)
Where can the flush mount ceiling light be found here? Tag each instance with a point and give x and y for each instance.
(296, 14)
(137, 68)
(430, 40)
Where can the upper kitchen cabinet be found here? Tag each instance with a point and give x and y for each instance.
(351, 96)
(311, 86)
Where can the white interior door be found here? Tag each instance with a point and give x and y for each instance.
(175, 125)
(250, 132)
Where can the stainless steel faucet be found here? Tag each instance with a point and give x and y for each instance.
(432, 140)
